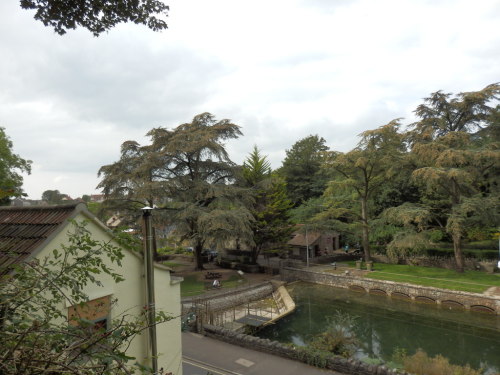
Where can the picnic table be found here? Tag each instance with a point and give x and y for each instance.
(213, 275)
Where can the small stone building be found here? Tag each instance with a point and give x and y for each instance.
(320, 243)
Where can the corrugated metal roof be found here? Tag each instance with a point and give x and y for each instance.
(23, 229)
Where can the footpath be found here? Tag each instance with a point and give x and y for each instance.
(203, 355)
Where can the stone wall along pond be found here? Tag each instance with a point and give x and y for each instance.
(446, 298)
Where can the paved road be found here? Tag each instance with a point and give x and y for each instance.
(203, 355)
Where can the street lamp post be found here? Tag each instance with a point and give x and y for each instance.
(150, 291)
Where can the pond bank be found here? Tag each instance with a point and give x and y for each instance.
(409, 292)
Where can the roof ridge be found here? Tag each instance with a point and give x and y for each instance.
(71, 206)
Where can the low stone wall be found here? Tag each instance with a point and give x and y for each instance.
(410, 292)
(283, 300)
(328, 361)
(228, 299)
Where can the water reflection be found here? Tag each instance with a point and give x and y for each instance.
(384, 324)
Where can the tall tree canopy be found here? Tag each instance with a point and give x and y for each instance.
(443, 113)
(52, 196)
(270, 206)
(186, 171)
(453, 163)
(11, 167)
(359, 174)
(256, 168)
(97, 16)
(301, 169)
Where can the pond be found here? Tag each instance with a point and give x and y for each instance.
(383, 324)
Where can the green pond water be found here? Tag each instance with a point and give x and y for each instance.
(383, 324)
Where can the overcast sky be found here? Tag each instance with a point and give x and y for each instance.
(281, 69)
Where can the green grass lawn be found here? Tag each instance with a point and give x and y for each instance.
(192, 286)
(172, 264)
(469, 281)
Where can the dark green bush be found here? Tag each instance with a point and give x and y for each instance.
(468, 253)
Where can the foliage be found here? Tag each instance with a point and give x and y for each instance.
(312, 356)
(480, 233)
(421, 364)
(53, 196)
(270, 207)
(98, 210)
(406, 244)
(359, 174)
(338, 336)
(442, 113)
(188, 174)
(11, 165)
(36, 336)
(256, 168)
(454, 168)
(128, 240)
(475, 253)
(97, 16)
(301, 169)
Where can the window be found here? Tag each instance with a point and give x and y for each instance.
(97, 311)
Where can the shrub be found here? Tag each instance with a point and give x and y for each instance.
(338, 338)
(480, 253)
(421, 364)
(480, 234)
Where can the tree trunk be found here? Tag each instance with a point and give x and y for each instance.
(255, 254)
(199, 259)
(456, 235)
(366, 229)
(459, 255)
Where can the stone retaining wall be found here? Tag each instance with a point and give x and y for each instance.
(332, 362)
(410, 292)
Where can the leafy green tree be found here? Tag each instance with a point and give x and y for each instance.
(359, 174)
(442, 113)
(97, 16)
(36, 336)
(271, 206)
(451, 172)
(256, 168)
(11, 165)
(301, 169)
(453, 163)
(187, 173)
(52, 196)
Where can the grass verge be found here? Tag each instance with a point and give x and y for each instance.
(192, 286)
(469, 281)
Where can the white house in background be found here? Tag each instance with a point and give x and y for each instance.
(34, 232)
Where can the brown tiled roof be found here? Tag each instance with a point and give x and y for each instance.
(299, 238)
(24, 229)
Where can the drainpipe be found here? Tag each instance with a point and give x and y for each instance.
(150, 285)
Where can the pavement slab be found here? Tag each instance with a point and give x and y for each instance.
(202, 355)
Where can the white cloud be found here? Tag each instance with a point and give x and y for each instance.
(281, 69)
